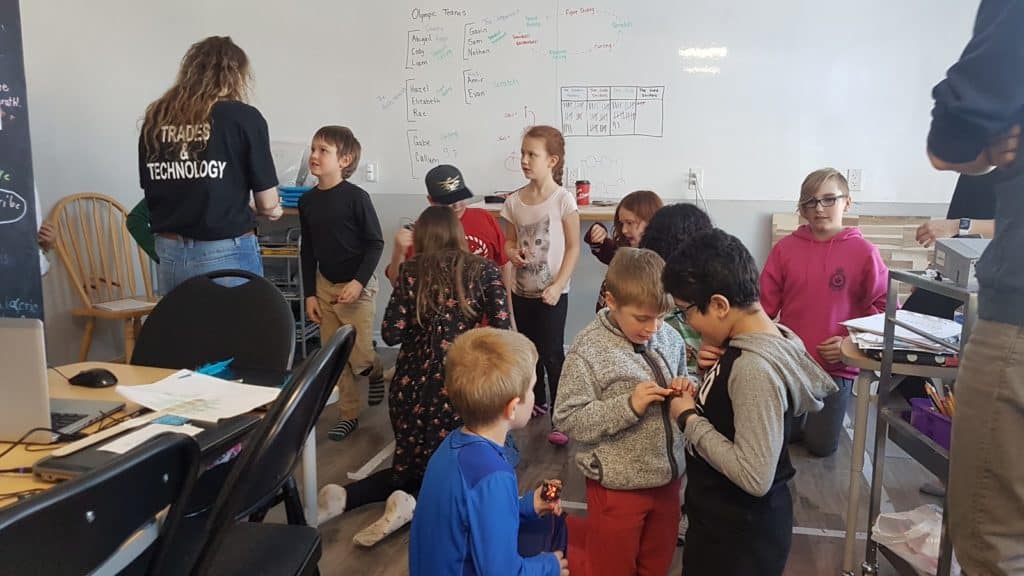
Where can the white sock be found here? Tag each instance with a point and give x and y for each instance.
(397, 513)
(330, 502)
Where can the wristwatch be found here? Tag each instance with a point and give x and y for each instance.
(681, 419)
(965, 227)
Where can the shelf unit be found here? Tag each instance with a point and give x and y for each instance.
(283, 267)
(890, 422)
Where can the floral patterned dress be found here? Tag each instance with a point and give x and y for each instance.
(421, 414)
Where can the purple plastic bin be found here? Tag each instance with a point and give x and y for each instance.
(927, 419)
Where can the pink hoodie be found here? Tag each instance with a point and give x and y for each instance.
(816, 284)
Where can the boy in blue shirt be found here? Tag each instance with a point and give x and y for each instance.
(470, 518)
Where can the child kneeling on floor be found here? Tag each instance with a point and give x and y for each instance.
(470, 518)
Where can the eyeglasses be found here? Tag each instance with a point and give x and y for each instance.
(685, 310)
(826, 202)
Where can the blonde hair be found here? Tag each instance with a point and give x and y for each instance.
(634, 278)
(815, 180)
(485, 369)
(212, 70)
(345, 141)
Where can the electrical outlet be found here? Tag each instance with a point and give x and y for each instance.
(854, 178)
(695, 179)
(372, 174)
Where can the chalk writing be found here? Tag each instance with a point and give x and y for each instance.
(532, 22)
(20, 307)
(580, 11)
(12, 207)
(558, 55)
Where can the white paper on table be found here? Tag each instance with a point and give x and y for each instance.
(938, 327)
(133, 439)
(199, 397)
(871, 341)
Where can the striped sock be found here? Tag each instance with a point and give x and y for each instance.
(375, 394)
(343, 428)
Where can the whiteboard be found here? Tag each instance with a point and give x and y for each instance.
(754, 94)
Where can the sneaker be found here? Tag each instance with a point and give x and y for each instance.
(684, 524)
(330, 502)
(397, 513)
(540, 410)
(557, 437)
(375, 394)
(342, 429)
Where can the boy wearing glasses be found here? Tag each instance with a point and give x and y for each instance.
(818, 276)
(737, 422)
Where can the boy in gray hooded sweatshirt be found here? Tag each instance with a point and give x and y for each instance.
(612, 401)
(737, 422)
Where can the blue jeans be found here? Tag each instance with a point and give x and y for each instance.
(183, 258)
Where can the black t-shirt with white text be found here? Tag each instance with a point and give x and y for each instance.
(205, 195)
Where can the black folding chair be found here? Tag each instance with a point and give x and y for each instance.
(106, 520)
(201, 321)
(265, 465)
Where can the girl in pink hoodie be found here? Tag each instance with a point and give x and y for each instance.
(818, 276)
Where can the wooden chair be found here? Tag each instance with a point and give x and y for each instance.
(108, 269)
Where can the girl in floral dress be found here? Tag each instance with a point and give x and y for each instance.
(442, 292)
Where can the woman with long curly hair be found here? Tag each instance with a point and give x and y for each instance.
(203, 155)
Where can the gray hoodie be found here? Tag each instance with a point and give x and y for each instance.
(615, 446)
(766, 373)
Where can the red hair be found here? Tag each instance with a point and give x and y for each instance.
(554, 145)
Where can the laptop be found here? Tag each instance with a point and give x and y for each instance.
(26, 393)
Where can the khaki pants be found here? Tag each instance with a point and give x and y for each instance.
(351, 385)
(986, 472)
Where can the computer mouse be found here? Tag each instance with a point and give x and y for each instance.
(94, 378)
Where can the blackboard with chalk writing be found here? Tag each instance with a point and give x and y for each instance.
(21, 292)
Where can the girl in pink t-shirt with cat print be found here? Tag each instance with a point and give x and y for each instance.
(543, 244)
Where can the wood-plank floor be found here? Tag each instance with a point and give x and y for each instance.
(819, 494)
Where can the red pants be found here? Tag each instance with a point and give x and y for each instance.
(625, 532)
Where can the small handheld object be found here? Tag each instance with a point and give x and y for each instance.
(551, 490)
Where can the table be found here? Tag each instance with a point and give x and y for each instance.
(129, 376)
(852, 356)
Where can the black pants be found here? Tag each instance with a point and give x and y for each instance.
(376, 488)
(545, 326)
(727, 539)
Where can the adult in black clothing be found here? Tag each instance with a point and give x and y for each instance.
(971, 211)
(204, 154)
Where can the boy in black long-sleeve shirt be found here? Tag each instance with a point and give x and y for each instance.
(341, 245)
